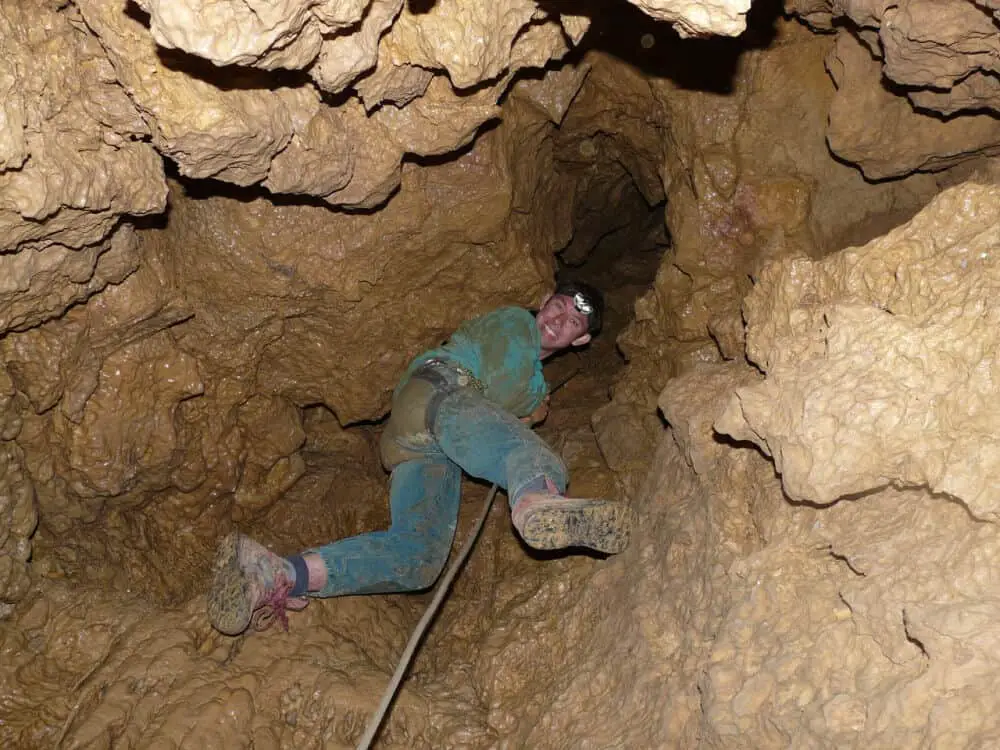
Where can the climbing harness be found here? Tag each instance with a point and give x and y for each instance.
(418, 632)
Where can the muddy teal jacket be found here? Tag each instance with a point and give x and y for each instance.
(502, 349)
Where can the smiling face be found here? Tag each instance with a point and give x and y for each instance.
(560, 324)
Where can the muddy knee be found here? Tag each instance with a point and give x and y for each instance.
(422, 572)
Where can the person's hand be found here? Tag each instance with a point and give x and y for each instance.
(539, 414)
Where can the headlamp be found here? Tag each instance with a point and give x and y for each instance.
(582, 304)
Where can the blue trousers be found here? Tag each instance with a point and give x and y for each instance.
(466, 432)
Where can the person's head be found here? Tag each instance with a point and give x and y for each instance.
(569, 316)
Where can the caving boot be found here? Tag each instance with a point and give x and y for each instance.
(546, 520)
(250, 587)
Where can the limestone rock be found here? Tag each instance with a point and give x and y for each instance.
(991, 5)
(317, 160)
(977, 91)
(879, 361)
(171, 666)
(736, 619)
(18, 515)
(438, 122)
(556, 91)
(244, 127)
(472, 41)
(108, 448)
(306, 272)
(933, 44)
(900, 140)
(242, 131)
(41, 282)
(396, 84)
(817, 14)
(229, 133)
(272, 430)
(911, 62)
(736, 185)
(179, 392)
(803, 624)
(818, 616)
(946, 54)
(691, 402)
(72, 164)
(345, 57)
(699, 17)
(267, 34)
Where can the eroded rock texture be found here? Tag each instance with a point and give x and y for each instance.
(724, 17)
(18, 514)
(902, 71)
(179, 393)
(837, 337)
(161, 385)
(738, 192)
(763, 630)
(757, 620)
(409, 84)
(903, 561)
(72, 163)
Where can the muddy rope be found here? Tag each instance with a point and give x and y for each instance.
(404, 661)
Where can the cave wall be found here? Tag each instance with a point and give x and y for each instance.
(742, 148)
(164, 379)
(833, 586)
(181, 385)
(852, 604)
(178, 393)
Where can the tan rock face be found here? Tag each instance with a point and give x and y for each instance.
(839, 608)
(738, 193)
(211, 376)
(284, 34)
(18, 515)
(911, 62)
(928, 46)
(305, 274)
(179, 393)
(72, 163)
(246, 127)
(879, 361)
(722, 17)
(229, 133)
(900, 140)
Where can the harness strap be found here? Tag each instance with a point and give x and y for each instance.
(446, 378)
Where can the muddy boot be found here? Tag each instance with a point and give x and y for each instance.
(250, 587)
(550, 521)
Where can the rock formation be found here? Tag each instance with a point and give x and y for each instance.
(229, 226)
(858, 606)
(899, 67)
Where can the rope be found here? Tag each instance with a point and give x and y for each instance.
(404, 661)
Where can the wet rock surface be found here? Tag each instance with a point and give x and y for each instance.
(197, 336)
(916, 64)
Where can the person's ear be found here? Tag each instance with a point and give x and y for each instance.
(584, 339)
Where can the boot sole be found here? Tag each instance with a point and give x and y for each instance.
(601, 525)
(229, 605)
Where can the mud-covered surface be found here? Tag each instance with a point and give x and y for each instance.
(92, 664)
(194, 340)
